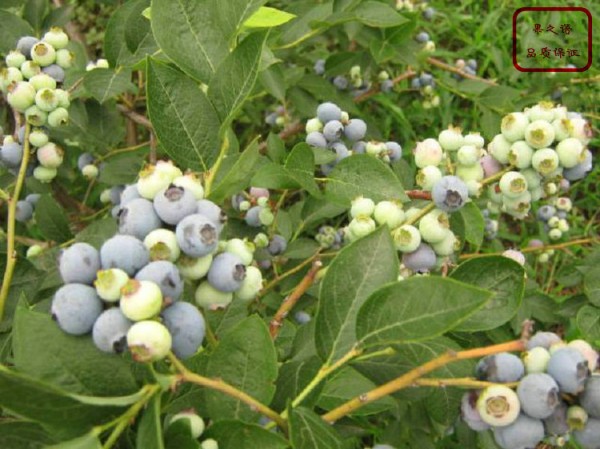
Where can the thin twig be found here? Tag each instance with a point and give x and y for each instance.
(137, 118)
(449, 68)
(288, 273)
(418, 194)
(531, 249)
(290, 301)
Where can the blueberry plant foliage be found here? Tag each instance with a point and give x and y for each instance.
(294, 224)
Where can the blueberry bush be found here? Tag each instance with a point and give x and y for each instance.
(344, 224)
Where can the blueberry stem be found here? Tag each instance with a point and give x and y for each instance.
(375, 90)
(464, 382)
(11, 254)
(288, 273)
(449, 68)
(413, 375)
(186, 375)
(215, 168)
(421, 214)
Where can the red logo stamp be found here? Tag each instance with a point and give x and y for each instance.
(566, 57)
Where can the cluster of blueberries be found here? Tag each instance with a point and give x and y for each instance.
(30, 82)
(128, 294)
(546, 146)
(424, 38)
(416, 5)
(555, 216)
(333, 129)
(425, 84)
(356, 81)
(557, 395)
(278, 117)
(469, 67)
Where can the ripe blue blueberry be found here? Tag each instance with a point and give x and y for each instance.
(33, 198)
(538, 394)
(469, 413)
(341, 151)
(387, 86)
(556, 423)
(589, 436)
(502, 367)
(546, 212)
(421, 260)
(302, 317)
(79, 264)
(590, 398)
(341, 82)
(164, 274)
(394, 150)
(355, 129)
(580, 170)
(316, 139)
(110, 331)
(422, 37)
(252, 217)
(569, 368)
(174, 203)
(450, 193)
(85, 159)
(319, 67)
(55, 71)
(138, 218)
(277, 245)
(543, 339)
(129, 193)
(227, 272)
(24, 211)
(187, 327)
(125, 252)
(332, 131)
(328, 111)
(26, 43)
(212, 212)
(75, 308)
(197, 235)
(525, 432)
(11, 154)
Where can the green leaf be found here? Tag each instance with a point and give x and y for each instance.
(197, 35)
(355, 273)
(185, 122)
(363, 175)
(105, 84)
(11, 29)
(294, 376)
(591, 285)
(416, 309)
(239, 435)
(267, 17)
(98, 232)
(470, 223)
(300, 164)
(137, 27)
(34, 12)
(123, 168)
(246, 359)
(149, 434)
(274, 176)
(588, 322)
(378, 14)
(88, 441)
(309, 431)
(23, 435)
(275, 148)
(74, 364)
(52, 220)
(64, 416)
(240, 174)
(235, 78)
(178, 435)
(501, 275)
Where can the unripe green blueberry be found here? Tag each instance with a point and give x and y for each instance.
(539, 134)
(543, 258)
(314, 124)
(140, 300)
(29, 69)
(105, 196)
(102, 64)
(90, 171)
(570, 152)
(520, 204)
(196, 423)
(389, 213)
(553, 222)
(191, 182)
(536, 360)
(541, 111)
(266, 217)
(209, 444)
(470, 172)
(64, 58)
(46, 100)
(35, 116)
(580, 129)
(474, 139)
(162, 245)
(428, 152)
(207, 296)
(550, 188)
(56, 37)
(90, 66)
(361, 226)
(451, 139)
(375, 148)
(533, 178)
(245, 205)
(43, 81)
(448, 246)
(63, 98)
(33, 251)
(109, 283)
(520, 154)
(148, 341)
(261, 240)
(513, 126)
(468, 155)
(561, 128)
(577, 417)
(280, 121)
(21, 96)
(555, 234)
(262, 201)
(50, 155)
(362, 206)
(498, 406)
(58, 117)
(564, 203)
(428, 176)
(251, 284)
(43, 53)
(194, 268)
(434, 226)
(9, 76)
(241, 248)
(499, 148)
(154, 178)
(15, 59)
(345, 117)
(563, 225)
(513, 184)
(38, 137)
(44, 174)
(475, 188)
(545, 161)
(407, 238)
